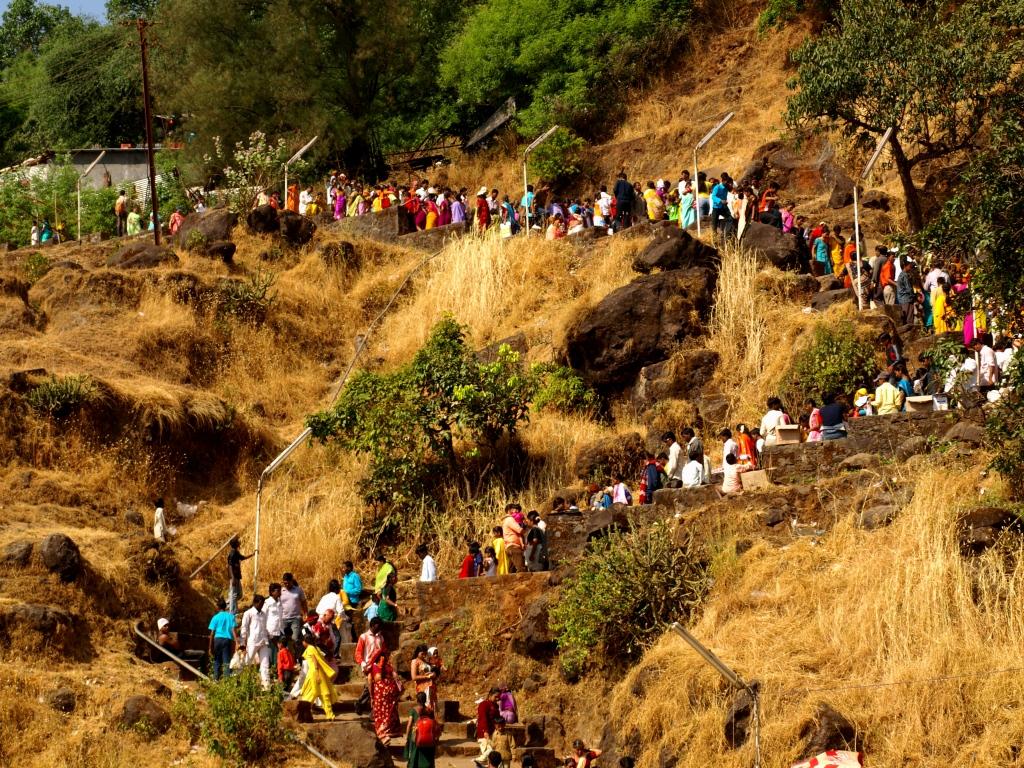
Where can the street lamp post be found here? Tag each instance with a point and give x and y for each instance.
(700, 145)
(536, 143)
(78, 185)
(291, 160)
(856, 211)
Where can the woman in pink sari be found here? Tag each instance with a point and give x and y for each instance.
(340, 203)
(385, 690)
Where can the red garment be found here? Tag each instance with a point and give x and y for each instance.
(887, 275)
(486, 713)
(325, 636)
(369, 648)
(468, 569)
(285, 663)
(483, 213)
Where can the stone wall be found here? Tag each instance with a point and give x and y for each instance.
(880, 435)
(375, 226)
(418, 601)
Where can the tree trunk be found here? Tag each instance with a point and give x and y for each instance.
(903, 167)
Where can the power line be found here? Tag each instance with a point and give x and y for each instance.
(925, 681)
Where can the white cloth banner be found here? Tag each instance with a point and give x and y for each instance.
(834, 758)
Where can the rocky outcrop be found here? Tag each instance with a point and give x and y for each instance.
(682, 375)
(141, 256)
(811, 170)
(351, 741)
(144, 716)
(674, 248)
(212, 225)
(771, 244)
(296, 230)
(533, 637)
(637, 325)
(825, 299)
(979, 529)
(599, 459)
(61, 556)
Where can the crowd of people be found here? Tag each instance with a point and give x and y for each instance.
(520, 545)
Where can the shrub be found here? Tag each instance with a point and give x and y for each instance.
(1005, 425)
(247, 300)
(59, 397)
(240, 721)
(777, 14)
(838, 360)
(36, 265)
(560, 158)
(562, 389)
(626, 590)
(195, 241)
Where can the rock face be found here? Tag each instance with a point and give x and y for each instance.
(142, 714)
(295, 229)
(825, 299)
(673, 248)
(768, 242)
(829, 729)
(17, 554)
(680, 375)
(812, 170)
(842, 193)
(533, 637)
(351, 741)
(214, 224)
(142, 256)
(637, 325)
(61, 556)
(599, 459)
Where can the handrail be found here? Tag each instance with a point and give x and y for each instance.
(210, 558)
(185, 665)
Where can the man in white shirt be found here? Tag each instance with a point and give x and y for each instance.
(729, 446)
(931, 280)
(988, 368)
(428, 573)
(305, 198)
(255, 639)
(275, 627)
(693, 472)
(674, 467)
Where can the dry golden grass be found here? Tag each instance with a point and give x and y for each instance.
(898, 605)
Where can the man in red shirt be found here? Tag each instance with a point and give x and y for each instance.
(887, 279)
(486, 714)
(483, 210)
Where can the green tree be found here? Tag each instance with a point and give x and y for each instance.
(26, 24)
(933, 70)
(838, 360)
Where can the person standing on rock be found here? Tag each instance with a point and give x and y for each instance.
(512, 533)
(256, 639)
(674, 467)
(235, 559)
(624, 195)
(293, 608)
(536, 544)
(351, 583)
(222, 640)
(428, 572)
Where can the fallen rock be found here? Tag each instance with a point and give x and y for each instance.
(144, 716)
(213, 224)
(263, 220)
(63, 700)
(877, 516)
(17, 554)
(673, 248)
(859, 461)
(829, 729)
(876, 199)
(842, 193)
(142, 256)
(296, 230)
(825, 299)
(599, 459)
(771, 244)
(637, 325)
(533, 637)
(738, 720)
(61, 556)
(221, 249)
(680, 375)
(351, 741)
(965, 432)
(912, 446)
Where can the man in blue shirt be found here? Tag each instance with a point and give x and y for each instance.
(222, 639)
(720, 215)
(352, 584)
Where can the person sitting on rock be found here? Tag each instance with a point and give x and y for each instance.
(693, 471)
(620, 493)
(731, 471)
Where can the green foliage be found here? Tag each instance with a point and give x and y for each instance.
(560, 157)
(240, 722)
(626, 590)
(933, 71)
(565, 61)
(36, 265)
(60, 396)
(838, 360)
(253, 165)
(195, 241)
(1005, 426)
(408, 421)
(561, 389)
(246, 300)
(26, 24)
(777, 14)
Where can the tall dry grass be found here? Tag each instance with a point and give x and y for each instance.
(898, 605)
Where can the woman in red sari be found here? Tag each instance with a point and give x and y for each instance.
(385, 690)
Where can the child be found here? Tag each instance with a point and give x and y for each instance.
(490, 564)
(731, 471)
(470, 567)
(507, 705)
(500, 555)
(285, 663)
(620, 493)
(501, 744)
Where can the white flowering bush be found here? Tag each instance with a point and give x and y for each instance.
(256, 164)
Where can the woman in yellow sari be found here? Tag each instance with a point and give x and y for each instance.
(500, 553)
(940, 310)
(319, 682)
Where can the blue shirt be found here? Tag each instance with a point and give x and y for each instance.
(353, 586)
(371, 611)
(222, 625)
(720, 196)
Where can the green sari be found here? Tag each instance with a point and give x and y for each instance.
(417, 757)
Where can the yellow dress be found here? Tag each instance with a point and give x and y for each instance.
(939, 313)
(319, 680)
(501, 556)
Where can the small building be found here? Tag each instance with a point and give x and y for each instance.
(120, 165)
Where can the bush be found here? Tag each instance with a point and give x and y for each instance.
(1005, 426)
(777, 14)
(838, 360)
(626, 590)
(561, 389)
(560, 158)
(59, 397)
(36, 265)
(196, 241)
(246, 300)
(240, 722)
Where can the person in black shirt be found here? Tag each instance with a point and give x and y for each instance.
(235, 559)
(624, 195)
(833, 424)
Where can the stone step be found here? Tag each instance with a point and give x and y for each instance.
(448, 747)
(351, 690)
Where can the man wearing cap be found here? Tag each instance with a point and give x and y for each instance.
(483, 210)
(888, 398)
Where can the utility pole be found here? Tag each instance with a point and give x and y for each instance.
(143, 45)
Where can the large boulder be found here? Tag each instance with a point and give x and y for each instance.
(533, 637)
(221, 249)
(599, 459)
(17, 554)
(772, 244)
(682, 375)
(144, 716)
(213, 224)
(44, 620)
(141, 256)
(811, 170)
(352, 741)
(875, 198)
(829, 729)
(825, 299)
(295, 229)
(842, 193)
(263, 220)
(61, 555)
(639, 324)
(674, 248)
